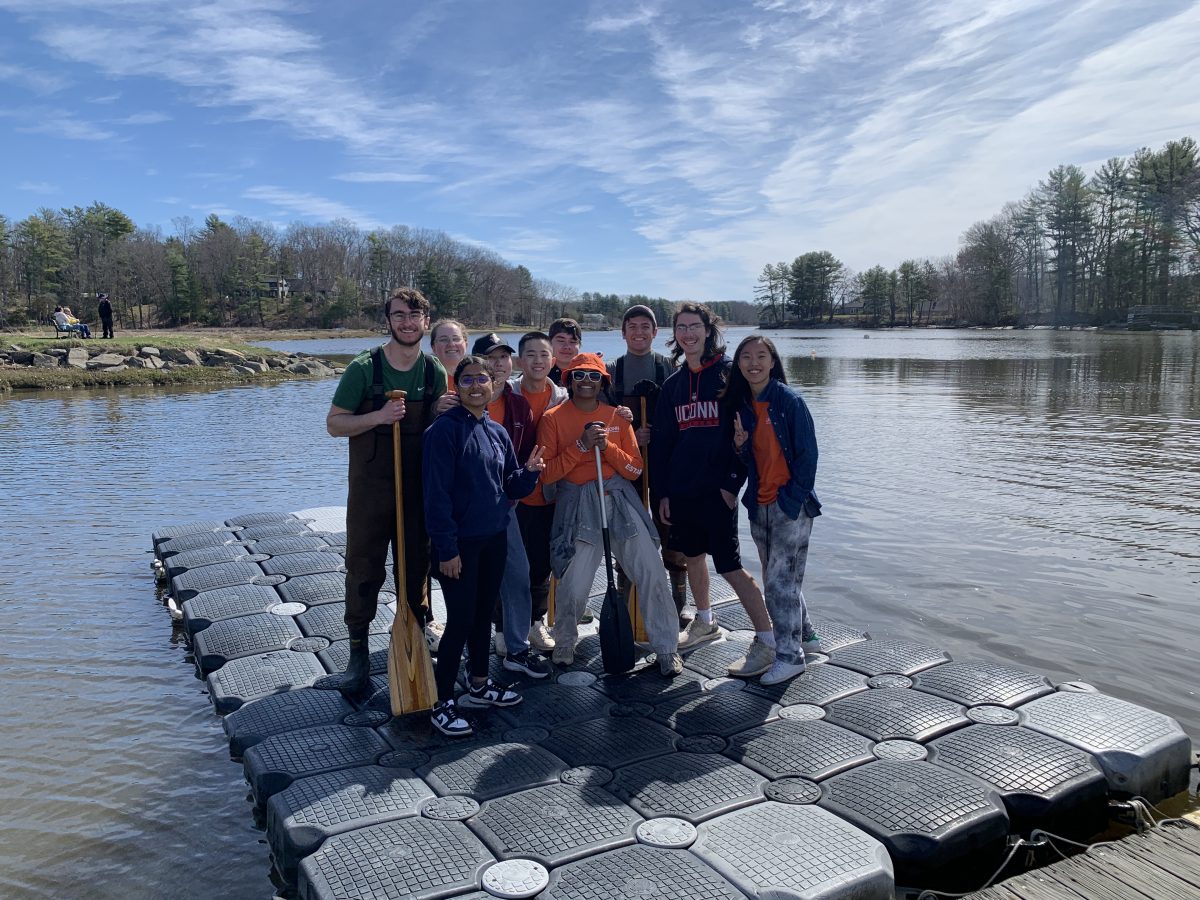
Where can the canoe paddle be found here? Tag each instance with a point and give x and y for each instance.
(616, 631)
(410, 671)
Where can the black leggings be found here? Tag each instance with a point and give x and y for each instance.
(469, 599)
(536, 523)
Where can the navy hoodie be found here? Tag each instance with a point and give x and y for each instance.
(470, 473)
(691, 447)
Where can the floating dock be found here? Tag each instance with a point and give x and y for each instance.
(886, 769)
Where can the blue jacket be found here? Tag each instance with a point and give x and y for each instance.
(691, 446)
(469, 470)
(794, 429)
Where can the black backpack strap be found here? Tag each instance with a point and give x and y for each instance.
(618, 385)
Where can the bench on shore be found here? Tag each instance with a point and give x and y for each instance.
(61, 329)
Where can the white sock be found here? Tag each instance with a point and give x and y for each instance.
(766, 637)
(705, 616)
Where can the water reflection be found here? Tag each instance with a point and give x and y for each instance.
(1022, 496)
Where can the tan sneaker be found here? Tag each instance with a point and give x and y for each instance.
(756, 661)
(433, 635)
(697, 632)
(670, 664)
(563, 656)
(539, 637)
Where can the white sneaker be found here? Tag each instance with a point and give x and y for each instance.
(758, 659)
(670, 664)
(781, 672)
(697, 632)
(812, 644)
(501, 647)
(539, 637)
(563, 656)
(433, 635)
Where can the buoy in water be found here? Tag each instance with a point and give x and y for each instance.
(176, 612)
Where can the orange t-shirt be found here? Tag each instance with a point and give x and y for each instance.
(560, 429)
(538, 402)
(537, 407)
(496, 407)
(768, 456)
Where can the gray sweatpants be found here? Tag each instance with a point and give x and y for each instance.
(639, 558)
(783, 549)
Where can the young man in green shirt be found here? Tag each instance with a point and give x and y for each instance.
(362, 413)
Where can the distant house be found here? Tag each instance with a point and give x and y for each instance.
(594, 321)
(1161, 317)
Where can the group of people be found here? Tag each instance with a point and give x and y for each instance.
(65, 320)
(502, 489)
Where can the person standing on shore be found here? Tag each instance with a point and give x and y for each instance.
(773, 435)
(362, 412)
(641, 363)
(697, 476)
(513, 613)
(471, 474)
(106, 316)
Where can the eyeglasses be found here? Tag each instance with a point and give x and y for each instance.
(693, 328)
(406, 317)
(469, 380)
(580, 375)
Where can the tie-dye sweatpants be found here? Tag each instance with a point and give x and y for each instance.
(783, 549)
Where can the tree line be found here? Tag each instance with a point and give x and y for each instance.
(248, 273)
(1075, 250)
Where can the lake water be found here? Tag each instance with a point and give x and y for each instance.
(1030, 497)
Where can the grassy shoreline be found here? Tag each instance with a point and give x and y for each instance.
(21, 377)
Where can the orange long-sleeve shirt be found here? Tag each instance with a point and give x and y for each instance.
(561, 427)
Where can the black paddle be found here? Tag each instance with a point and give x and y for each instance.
(616, 631)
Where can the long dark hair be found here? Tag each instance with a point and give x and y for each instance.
(737, 391)
(714, 339)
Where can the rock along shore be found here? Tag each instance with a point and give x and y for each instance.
(90, 366)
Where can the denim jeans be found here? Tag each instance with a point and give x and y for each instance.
(516, 603)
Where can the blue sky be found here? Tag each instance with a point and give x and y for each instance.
(669, 148)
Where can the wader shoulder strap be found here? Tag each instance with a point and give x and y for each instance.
(378, 397)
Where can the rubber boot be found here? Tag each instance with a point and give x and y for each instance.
(679, 595)
(357, 677)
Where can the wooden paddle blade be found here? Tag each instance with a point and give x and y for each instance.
(410, 670)
(616, 634)
(635, 615)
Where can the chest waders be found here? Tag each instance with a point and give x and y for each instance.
(371, 505)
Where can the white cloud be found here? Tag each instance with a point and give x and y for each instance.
(384, 177)
(143, 118)
(580, 208)
(38, 187)
(309, 205)
(612, 24)
(38, 82)
(57, 123)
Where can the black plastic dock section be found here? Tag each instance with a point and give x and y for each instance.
(887, 763)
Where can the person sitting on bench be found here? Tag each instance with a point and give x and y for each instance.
(64, 322)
